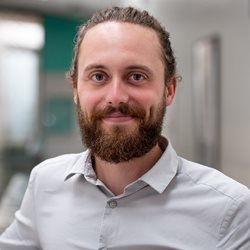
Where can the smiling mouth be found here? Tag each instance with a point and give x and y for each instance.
(117, 117)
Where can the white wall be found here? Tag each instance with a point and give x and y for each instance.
(188, 21)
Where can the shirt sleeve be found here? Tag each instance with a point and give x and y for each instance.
(235, 229)
(21, 234)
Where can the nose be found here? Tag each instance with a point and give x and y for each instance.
(117, 92)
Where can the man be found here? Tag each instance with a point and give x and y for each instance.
(129, 190)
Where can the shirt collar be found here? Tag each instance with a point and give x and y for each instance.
(158, 177)
(165, 169)
(81, 166)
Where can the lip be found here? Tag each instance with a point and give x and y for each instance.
(117, 118)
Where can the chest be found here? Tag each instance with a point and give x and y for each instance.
(84, 218)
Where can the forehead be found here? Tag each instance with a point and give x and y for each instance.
(118, 28)
(120, 35)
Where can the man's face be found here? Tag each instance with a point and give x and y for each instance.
(121, 94)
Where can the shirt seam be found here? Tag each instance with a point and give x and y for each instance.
(34, 207)
(229, 212)
(213, 188)
(226, 220)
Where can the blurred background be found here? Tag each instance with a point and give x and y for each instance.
(209, 121)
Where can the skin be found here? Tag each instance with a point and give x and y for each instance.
(121, 62)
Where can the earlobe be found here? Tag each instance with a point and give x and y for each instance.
(170, 91)
(75, 97)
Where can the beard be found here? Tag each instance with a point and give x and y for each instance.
(119, 143)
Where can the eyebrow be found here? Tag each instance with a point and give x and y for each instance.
(95, 66)
(140, 67)
(130, 67)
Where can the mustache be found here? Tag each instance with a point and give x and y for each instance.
(123, 108)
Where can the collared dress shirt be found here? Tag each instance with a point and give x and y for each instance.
(176, 205)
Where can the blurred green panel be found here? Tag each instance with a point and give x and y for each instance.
(59, 115)
(59, 42)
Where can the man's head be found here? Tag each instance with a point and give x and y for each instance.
(133, 16)
(123, 79)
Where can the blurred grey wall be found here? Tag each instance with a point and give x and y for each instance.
(188, 22)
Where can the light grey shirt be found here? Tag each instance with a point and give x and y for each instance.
(177, 205)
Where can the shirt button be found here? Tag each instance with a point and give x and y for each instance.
(112, 204)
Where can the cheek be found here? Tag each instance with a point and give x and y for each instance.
(147, 102)
(88, 100)
(157, 104)
(150, 100)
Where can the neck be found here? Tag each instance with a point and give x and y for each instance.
(117, 176)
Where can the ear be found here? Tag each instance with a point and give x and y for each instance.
(75, 95)
(74, 89)
(170, 91)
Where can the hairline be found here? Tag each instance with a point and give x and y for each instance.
(93, 25)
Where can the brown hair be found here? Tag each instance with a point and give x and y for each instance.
(127, 15)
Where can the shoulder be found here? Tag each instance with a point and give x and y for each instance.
(62, 162)
(207, 178)
(57, 168)
(228, 202)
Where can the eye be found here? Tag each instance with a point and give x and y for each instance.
(98, 77)
(137, 77)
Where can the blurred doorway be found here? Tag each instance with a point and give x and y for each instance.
(21, 40)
